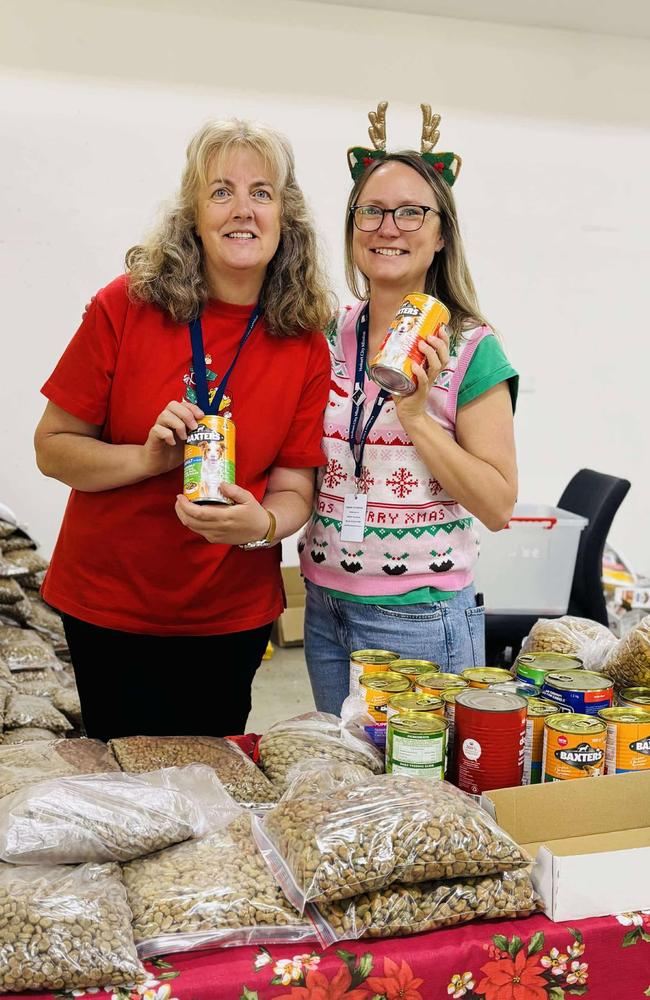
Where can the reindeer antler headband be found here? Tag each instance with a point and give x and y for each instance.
(447, 164)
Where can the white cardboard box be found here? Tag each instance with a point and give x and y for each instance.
(590, 838)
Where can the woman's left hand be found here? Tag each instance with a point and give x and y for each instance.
(226, 524)
(436, 350)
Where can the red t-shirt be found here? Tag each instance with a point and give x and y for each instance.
(123, 560)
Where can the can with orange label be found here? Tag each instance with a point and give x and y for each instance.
(628, 739)
(368, 661)
(414, 668)
(418, 317)
(485, 677)
(574, 747)
(436, 683)
(635, 697)
(377, 690)
(537, 711)
(209, 459)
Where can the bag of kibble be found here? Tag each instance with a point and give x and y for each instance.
(628, 663)
(31, 710)
(398, 910)
(237, 772)
(22, 649)
(315, 735)
(65, 928)
(212, 892)
(589, 640)
(108, 817)
(25, 764)
(334, 844)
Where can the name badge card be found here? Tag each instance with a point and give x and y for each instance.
(354, 517)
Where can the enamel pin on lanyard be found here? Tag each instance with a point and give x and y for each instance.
(355, 504)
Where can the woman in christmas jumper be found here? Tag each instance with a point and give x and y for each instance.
(166, 613)
(415, 479)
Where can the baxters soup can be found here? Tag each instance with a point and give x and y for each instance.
(392, 367)
(485, 677)
(628, 739)
(582, 691)
(416, 745)
(635, 697)
(414, 701)
(438, 682)
(489, 738)
(537, 711)
(533, 667)
(414, 668)
(368, 661)
(574, 747)
(377, 689)
(209, 459)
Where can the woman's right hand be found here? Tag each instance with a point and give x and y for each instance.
(163, 449)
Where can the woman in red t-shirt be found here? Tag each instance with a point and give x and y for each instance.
(167, 605)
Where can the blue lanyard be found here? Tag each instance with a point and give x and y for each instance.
(358, 396)
(198, 361)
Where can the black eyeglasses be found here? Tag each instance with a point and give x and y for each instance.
(407, 218)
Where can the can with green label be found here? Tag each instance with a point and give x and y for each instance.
(416, 745)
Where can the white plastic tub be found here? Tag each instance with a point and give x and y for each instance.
(527, 568)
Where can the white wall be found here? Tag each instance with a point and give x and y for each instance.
(98, 101)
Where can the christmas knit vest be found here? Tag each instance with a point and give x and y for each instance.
(416, 535)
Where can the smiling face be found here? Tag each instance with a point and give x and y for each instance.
(389, 257)
(238, 221)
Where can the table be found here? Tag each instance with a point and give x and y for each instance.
(603, 958)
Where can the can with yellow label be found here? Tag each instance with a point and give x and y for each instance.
(378, 689)
(414, 668)
(438, 682)
(368, 661)
(209, 459)
(392, 367)
(574, 747)
(628, 739)
(485, 677)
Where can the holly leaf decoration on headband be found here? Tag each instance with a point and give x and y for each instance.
(360, 158)
(446, 164)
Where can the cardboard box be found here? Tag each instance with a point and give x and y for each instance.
(590, 838)
(288, 629)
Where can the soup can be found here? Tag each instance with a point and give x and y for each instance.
(485, 677)
(635, 697)
(533, 667)
(368, 661)
(377, 690)
(436, 683)
(628, 739)
(489, 737)
(574, 747)
(392, 367)
(518, 687)
(414, 668)
(536, 712)
(416, 745)
(414, 701)
(582, 691)
(209, 459)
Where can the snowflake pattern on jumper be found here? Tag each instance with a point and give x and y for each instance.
(365, 480)
(402, 482)
(334, 474)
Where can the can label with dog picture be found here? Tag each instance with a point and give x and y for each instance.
(416, 746)
(418, 317)
(489, 737)
(414, 668)
(377, 690)
(533, 667)
(628, 739)
(414, 701)
(209, 459)
(537, 710)
(635, 697)
(485, 677)
(574, 747)
(438, 682)
(368, 661)
(582, 691)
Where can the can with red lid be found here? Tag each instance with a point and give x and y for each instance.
(490, 737)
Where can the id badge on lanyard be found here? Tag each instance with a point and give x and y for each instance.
(355, 504)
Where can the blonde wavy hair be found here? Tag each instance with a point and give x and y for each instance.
(167, 268)
(448, 278)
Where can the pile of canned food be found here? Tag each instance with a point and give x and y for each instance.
(547, 720)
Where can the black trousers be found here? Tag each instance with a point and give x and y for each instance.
(149, 685)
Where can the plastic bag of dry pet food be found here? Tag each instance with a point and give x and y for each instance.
(331, 845)
(23, 765)
(628, 663)
(30, 710)
(65, 928)
(26, 561)
(216, 891)
(591, 641)
(315, 735)
(67, 701)
(22, 649)
(10, 591)
(46, 622)
(16, 542)
(108, 817)
(27, 734)
(240, 776)
(398, 910)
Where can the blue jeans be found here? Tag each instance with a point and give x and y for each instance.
(451, 633)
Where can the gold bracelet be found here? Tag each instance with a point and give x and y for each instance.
(270, 535)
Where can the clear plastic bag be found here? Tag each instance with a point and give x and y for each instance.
(10, 591)
(26, 561)
(30, 710)
(240, 776)
(211, 892)
(16, 543)
(589, 640)
(67, 701)
(46, 623)
(108, 817)
(399, 910)
(23, 765)
(27, 734)
(23, 649)
(628, 663)
(334, 844)
(315, 735)
(64, 928)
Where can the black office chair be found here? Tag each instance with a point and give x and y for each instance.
(596, 497)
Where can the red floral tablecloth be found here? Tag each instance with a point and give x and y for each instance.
(605, 958)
